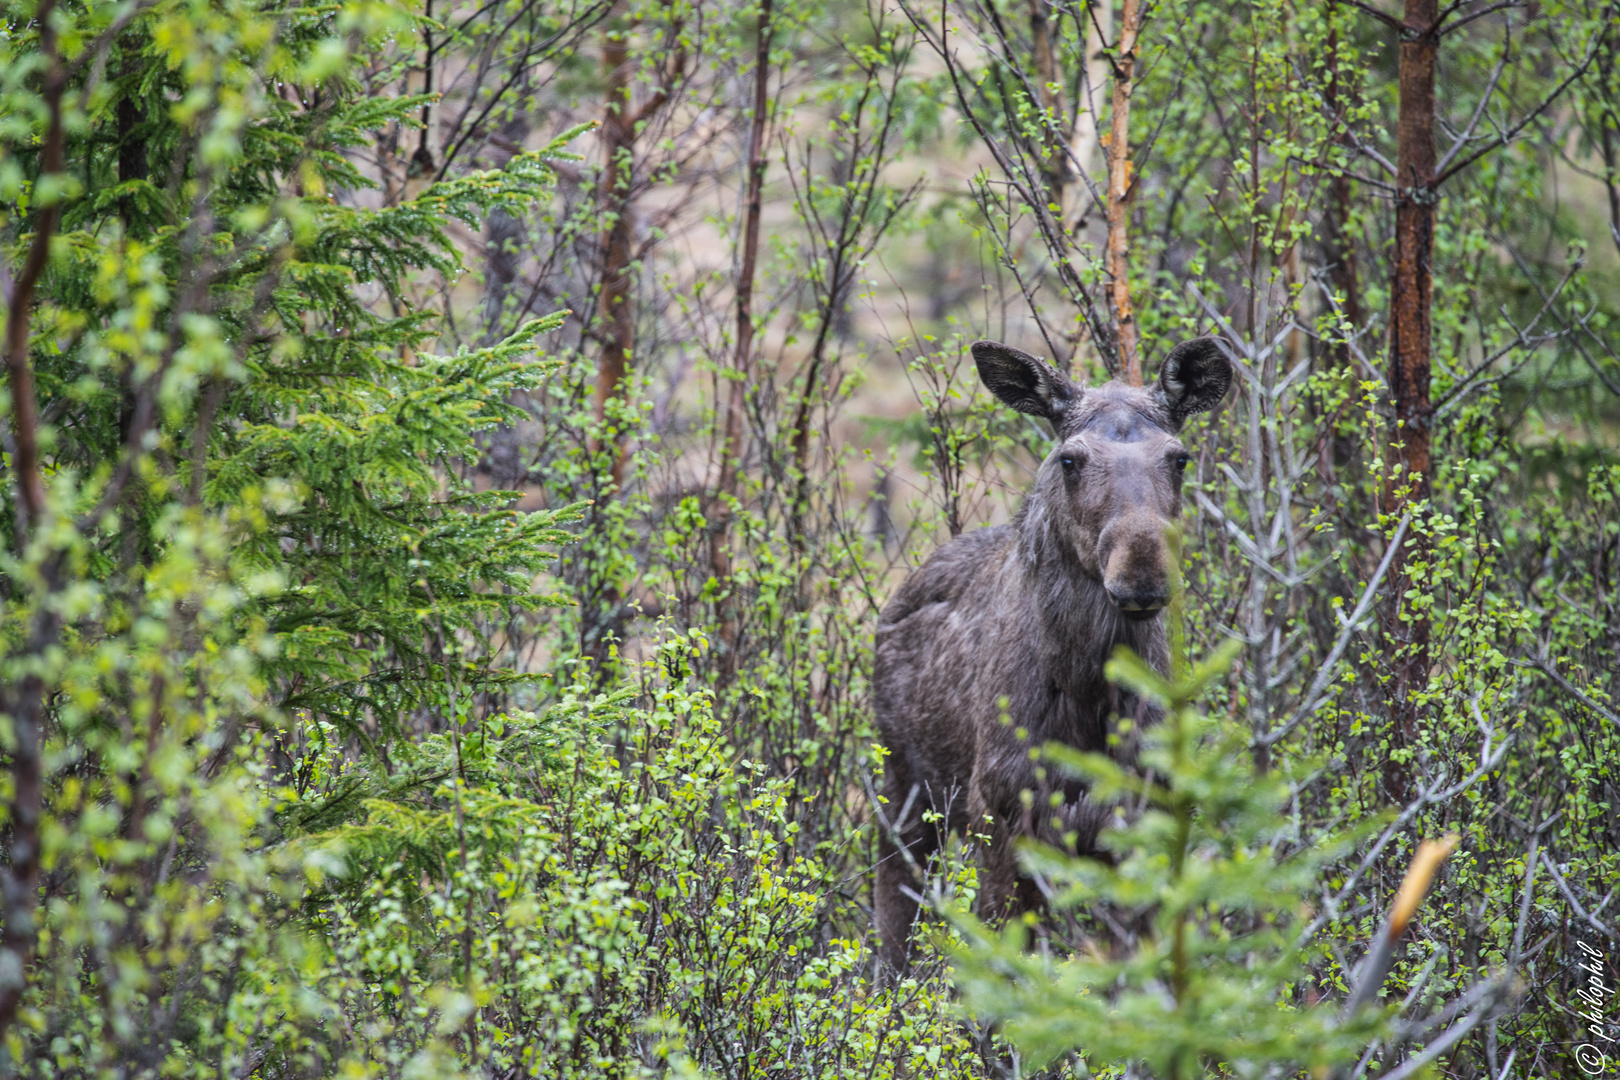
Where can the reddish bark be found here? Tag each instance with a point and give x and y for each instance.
(621, 127)
(1409, 359)
(615, 310)
(615, 323)
(1120, 187)
(736, 395)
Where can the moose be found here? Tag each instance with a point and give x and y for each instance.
(998, 643)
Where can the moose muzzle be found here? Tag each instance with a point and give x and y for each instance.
(1133, 559)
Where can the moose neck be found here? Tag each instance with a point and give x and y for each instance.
(1080, 624)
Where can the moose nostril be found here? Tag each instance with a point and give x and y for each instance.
(1141, 600)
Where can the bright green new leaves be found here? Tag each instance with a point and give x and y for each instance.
(566, 908)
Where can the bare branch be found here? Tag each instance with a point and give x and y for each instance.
(1520, 340)
(1324, 674)
(1484, 100)
(1511, 133)
(1427, 797)
(1101, 330)
(1499, 990)
(1563, 887)
(1542, 664)
(1430, 854)
(1525, 898)
(1382, 16)
(1442, 29)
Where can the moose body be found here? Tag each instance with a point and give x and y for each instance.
(998, 643)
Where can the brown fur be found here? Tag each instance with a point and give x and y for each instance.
(1017, 621)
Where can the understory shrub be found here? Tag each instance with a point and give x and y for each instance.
(603, 890)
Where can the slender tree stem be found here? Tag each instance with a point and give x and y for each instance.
(1120, 187)
(617, 314)
(737, 389)
(24, 702)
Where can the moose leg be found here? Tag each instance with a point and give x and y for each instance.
(1071, 825)
(1000, 894)
(904, 848)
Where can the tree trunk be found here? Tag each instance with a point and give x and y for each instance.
(1054, 163)
(1339, 253)
(1338, 246)
(1119, 193)
(1410, 332)
(1341, 257)
(725, 488)
(614, 326)
(132, 163)
(24, 702)
(422, 165)
(615, 312)
(601, 601)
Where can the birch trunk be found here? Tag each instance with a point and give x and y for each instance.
(1119, 194)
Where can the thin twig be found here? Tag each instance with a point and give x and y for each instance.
(1563, 887)
(1541, 664)
(1324, 675)
(1382, 16)
(1509, 135)
(1484, 100)
(1414, 887)
(1500, 988)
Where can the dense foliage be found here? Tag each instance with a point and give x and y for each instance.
(454, 460)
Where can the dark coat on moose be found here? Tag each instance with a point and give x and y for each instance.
(998, 643)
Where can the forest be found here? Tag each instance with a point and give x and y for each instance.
(456, 455)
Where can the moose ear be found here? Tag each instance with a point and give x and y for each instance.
(1193, 378)
(1027, 383)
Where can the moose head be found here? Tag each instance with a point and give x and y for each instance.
(1106, 494)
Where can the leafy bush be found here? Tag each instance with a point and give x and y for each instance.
(602, 890)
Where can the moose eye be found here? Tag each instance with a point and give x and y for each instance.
(1067, 462)
(1181, 462)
